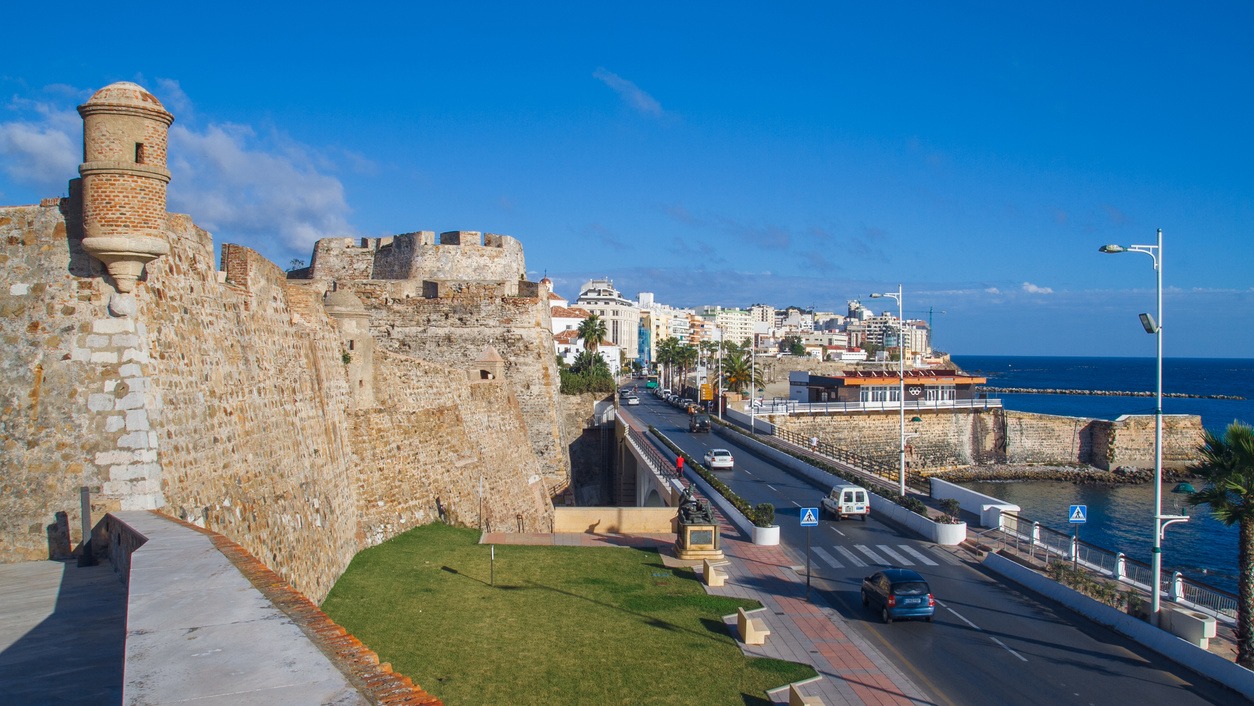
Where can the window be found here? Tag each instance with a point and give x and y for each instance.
(139, 153)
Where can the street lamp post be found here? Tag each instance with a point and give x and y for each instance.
(753, 383)
(1155, 326)
(901, 379)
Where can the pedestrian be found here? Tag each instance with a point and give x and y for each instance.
(814, 444)
(679, 465)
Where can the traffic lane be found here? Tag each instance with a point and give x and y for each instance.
(985, 633)
(993, 644)
(961, 658)
(1065, 652)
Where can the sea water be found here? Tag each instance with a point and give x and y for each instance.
(1120, 518)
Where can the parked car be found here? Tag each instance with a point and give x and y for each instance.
(699, 422)
(898, 593)
(719, 458)
(846, 500)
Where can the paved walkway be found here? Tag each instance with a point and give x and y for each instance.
(851, 671)
(61, 633)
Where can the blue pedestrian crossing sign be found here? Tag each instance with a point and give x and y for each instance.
(1078, 514)
(809, 517)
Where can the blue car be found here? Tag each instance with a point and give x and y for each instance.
(898, 593)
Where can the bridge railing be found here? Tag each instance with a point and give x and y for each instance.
(657, 462)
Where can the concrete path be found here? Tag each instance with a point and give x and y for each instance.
(62, 632)
(851, 670)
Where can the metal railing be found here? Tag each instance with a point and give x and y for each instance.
(785, 406)
(883, 468)
(1045, 544)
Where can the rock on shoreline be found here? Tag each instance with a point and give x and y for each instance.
(1080, 475)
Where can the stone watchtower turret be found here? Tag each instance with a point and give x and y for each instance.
(354, 326)
(125, 132)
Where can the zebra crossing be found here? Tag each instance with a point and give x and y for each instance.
(900, 555)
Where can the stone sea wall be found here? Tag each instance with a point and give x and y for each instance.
(954, 439)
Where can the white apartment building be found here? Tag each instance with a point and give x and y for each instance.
(621, 315)
(736, 325)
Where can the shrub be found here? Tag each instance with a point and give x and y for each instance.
(574, 383)
(1098, 589)
(951, 507)
(764, 515)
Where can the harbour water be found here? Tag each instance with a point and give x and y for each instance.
(1121, 517)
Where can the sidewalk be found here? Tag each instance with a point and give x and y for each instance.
(851, 671)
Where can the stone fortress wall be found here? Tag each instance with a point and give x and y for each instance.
(954, 439)
(237, 399)
(460, 296)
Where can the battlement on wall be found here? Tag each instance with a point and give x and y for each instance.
(461, 254)
(463, 289)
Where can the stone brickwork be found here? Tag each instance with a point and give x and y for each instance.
(961, 438)
(434, 443)
(457, 255)
(225, 400)
(454, 327)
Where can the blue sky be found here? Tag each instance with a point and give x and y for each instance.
(729, 153)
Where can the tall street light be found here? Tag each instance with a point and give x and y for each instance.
(901, 379)
(753, 384)
(1155, 326)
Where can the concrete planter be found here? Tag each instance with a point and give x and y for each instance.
(766, 536)
(947, 535)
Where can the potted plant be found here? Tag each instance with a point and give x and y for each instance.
(765, 531)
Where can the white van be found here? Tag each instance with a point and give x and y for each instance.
(847, 500)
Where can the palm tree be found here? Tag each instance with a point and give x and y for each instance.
(1227, 466)
(686, 359)
(590, 362)
(668, 355)
(592, 331)
(738, 371)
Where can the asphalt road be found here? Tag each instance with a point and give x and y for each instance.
(990, 643)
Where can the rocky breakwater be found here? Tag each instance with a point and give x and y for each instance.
(1080, 475)
(1100, 393)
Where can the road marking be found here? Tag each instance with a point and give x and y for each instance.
(899, 558)
(977, 627)
(874, 557)
(773, 488)
(916, 554)
(794, 502)
(837, 531)
(831, 560)
(1004, 647)
(850, 556)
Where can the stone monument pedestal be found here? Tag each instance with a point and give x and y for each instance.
(697, 541)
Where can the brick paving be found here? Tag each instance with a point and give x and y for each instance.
(850, 670)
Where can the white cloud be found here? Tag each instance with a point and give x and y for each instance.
(262, 190)
(630, 93)
(1033, 289)
(42, 152)
(993, 290)
(237, 184)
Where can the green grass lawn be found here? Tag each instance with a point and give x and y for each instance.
(561, 625)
